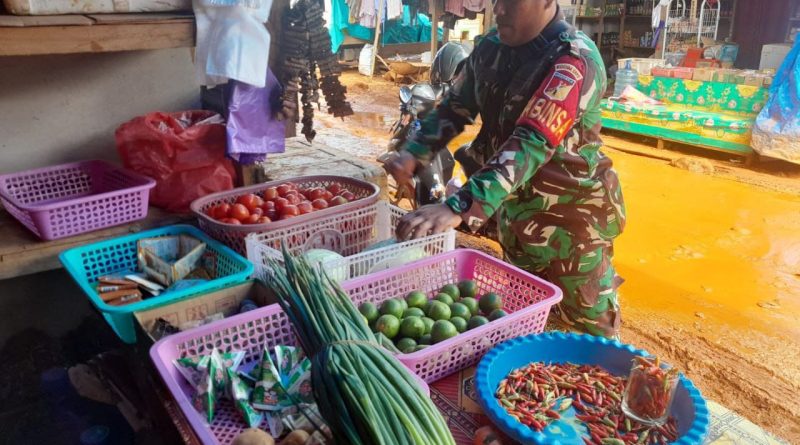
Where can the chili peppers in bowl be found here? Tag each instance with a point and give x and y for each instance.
(650, 390)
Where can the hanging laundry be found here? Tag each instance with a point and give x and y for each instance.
(394, 9)
(475, 5)
(455, 7)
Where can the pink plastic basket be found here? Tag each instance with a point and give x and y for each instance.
(526, 298)
(68, 199)
(250, 332)
(233, 235)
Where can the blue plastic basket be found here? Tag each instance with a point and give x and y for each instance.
(689, 407)
(87, 263)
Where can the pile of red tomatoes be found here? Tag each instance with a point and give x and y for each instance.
(278, 203)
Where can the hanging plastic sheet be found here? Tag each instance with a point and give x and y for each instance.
(252, 129)
(776, 133)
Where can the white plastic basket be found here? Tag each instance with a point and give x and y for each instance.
(348, 235)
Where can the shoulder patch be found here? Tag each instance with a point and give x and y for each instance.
(552, 109)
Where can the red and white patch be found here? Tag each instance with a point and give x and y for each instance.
(552, 109)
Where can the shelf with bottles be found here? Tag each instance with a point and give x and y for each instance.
(639, 8)
(609, 39)
(640, 41)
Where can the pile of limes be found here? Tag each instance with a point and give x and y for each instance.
(415, 322)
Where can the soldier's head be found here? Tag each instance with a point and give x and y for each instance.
(520, 21)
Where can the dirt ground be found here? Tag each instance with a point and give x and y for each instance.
(710, 257)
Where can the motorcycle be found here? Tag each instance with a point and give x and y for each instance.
(428, 184)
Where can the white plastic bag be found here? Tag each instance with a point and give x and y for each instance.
(232, 41)
(365, 60)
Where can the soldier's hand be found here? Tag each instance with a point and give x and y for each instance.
(401, 165)
(427, 220)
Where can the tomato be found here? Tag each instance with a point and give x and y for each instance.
(348, 195)
(327, 196)
(270, 214)
(280, 203)
(221, 211)
(334, 188)
(249, 200)
(256, 211)
(263, 220)
(231, 221)
(270, 193)
(305, 207)
(283, 189)
(320, 204)
(252, 219)
(338, 200)
(289, 210)
(293, 198)
(239, 212)
(315, 194)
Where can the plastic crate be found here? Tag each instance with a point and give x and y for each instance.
(117, 255)
(526, 298)
(233, 235)
(68, 199)
(641, 65)
(348, 235)
(251, 332)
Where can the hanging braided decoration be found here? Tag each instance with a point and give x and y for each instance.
(306, 48)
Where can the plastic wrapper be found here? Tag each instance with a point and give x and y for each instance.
(207, 375)
(776, 132)
(266, 393)
(184, 152)
(252, 129)
(240, 395)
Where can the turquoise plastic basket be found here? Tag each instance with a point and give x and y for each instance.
(87, 263)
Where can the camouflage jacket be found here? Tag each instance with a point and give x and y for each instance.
(540, 138)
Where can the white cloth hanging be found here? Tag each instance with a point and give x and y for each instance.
(657, 12)
(394, 9)
(232, 41)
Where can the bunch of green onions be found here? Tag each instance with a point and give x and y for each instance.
(365, 394)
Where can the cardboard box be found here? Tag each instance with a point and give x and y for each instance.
(754, 80)
(225, 301)
(682, 72)
(661, 72)
(703, 74)
(725, 75)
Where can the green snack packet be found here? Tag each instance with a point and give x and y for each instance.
(205, 396)
(240, 394)
(192, 368)
(300, 388)
(266, 395)
(288, 357)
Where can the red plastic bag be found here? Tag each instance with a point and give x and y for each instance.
(184, 152)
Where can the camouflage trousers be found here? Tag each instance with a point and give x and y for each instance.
(579, 265)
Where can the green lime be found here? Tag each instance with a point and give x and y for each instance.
(444, 298)
(406, 345)
(413, 312)
(392, 307)
(468, 288)
(420, 347)
(459, 323)
(460, 310)
(388, 325)
(416, 299)
(477, 320)
(402, 303)
(369, 311)
(428, 324)
(425, 340)
(497, 313)
(438, 311)
(490, 302)
(452, 290)
(442, 330)
(470, 303)
(412, 327)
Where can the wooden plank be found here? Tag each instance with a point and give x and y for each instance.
(20, 21)
(403, 48)
(377, 38)
(95, 39)
(22, 253)
(105, 19)
(434, 26)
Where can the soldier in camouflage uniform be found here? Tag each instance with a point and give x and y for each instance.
(556, 197)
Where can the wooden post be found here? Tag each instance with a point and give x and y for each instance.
(377, 37)
(434, 26)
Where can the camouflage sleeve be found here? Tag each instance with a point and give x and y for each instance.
(541, 128)
(447, 121)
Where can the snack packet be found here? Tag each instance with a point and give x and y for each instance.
(206, 392)
(240, 395)
(266, 395)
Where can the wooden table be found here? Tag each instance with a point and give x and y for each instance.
(23, 253)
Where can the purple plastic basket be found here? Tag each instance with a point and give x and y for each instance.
(526, 298)
(250, 332)
(68, 199)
